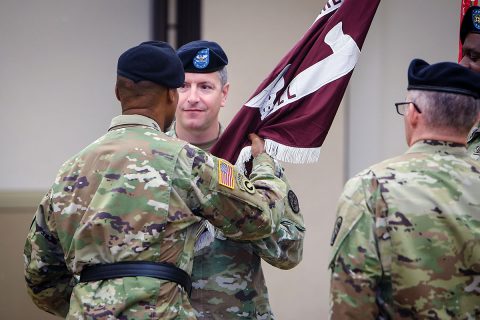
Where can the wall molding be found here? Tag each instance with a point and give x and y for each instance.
(11, 201)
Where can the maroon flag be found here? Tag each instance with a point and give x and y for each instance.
(294, 107)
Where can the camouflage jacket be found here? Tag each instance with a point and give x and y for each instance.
(136, 194)
(228, 281)
(473, 143)
(406, 242)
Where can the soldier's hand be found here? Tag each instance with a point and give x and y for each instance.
(258, 144)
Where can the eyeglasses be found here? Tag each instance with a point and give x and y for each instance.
(402, 107)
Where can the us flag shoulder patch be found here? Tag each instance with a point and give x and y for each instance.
(225, 174)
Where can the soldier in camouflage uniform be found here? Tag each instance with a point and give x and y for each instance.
(470, 39)
(228, 282)
(136, 198)
(406, 241)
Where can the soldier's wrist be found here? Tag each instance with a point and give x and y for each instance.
(263, 158)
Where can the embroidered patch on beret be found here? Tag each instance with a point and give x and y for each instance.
(476, 18)
(202, 59)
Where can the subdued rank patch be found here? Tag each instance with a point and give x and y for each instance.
(293, 201)
(477, 151)
(240, 179)
(225, 174)
(249, 187)
(244, 184)
(336, 229)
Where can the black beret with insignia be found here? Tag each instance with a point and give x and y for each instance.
(470, 22)
(202, 56)
(443, 77)
(153, 61)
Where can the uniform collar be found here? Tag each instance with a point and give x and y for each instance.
(171, 130)
(204, 146)
(133, 120)
(437, 146)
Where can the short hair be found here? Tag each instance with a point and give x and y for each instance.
(144, 91)
(447, 110)
(222, 73)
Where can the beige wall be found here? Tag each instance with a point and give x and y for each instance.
(58, 69)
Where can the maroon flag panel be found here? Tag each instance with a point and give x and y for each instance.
(294, 107)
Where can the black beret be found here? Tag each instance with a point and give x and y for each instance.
(153, 61)
(443, 77)
(470, 22)
(202, 56)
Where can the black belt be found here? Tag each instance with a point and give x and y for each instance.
(159, 270)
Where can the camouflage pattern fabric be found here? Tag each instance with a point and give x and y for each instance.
(228, 281)
(406, 238)
(136, 194)
(473, 144)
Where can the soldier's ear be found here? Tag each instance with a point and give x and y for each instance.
(172, 96)
(415, 115)
(225, 89)
(117, 94)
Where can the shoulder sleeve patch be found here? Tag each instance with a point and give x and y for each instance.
(293, 201)
(225, 174)
(336, 229)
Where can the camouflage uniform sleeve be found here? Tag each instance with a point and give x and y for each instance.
(355, 263)
(284, 248)
(49, 282)
(242, 208)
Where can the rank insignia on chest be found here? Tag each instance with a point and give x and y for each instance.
(225, 174)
